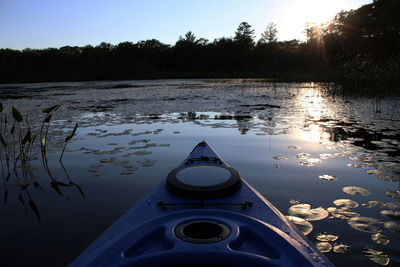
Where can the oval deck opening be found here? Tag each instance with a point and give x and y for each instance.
(202, 232)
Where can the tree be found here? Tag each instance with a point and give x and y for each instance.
(189, 37)
(270, 34)
(244, 35)
(192, 39)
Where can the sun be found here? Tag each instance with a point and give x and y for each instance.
(298, 13)
(317, 11)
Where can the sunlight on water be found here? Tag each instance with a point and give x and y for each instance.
(331, 162)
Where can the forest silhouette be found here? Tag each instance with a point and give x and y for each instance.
(356, 48)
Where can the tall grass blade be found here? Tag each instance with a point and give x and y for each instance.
(2, 140)
(51, 109)
(17, 115)
(72, 134)
(48, 118)
(27, 137)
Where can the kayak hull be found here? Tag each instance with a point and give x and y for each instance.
(167, 229)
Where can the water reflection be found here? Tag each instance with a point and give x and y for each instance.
(18, 156)
(290, 141)
(314, 133)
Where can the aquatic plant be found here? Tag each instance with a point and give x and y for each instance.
(19, 141)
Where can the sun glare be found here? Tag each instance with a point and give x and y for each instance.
(315, 109)
(300, 12)
(316, 10)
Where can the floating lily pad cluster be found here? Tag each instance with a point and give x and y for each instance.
(324, 243)
(304, 211)
(300, 215)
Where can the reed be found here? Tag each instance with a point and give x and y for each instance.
(20, 140)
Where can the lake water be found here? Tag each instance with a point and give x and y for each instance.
(295, 143)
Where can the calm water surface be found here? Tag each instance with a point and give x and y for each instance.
(294, 143)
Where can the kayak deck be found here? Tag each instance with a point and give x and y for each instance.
(167, 228)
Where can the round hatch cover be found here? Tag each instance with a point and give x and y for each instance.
(204, 181)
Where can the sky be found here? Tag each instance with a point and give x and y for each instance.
(56, 23)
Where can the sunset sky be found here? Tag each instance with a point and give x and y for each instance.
(56, 23)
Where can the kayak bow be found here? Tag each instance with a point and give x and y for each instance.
(204, 213)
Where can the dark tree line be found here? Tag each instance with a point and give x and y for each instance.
(363, 45)
(356, 47)
(189, 57)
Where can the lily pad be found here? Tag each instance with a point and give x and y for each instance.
(326, 156)
(324, 247)
(373, 203)
(380, 238)
(391, 214)
(326, 237)
(379, 143)
(389, 172)
(303, 155)
(393, 226)
(327, 177)
(340, 248)
(365, 224)
(280, 158)
(342, 213)
(354, 165)
(142, 152)
(347, 203)
(294, 201)
(306, 163)
(353, 190)
(376, 256)
(304, 211)
(304, 226)
(314, 160)
(393, 205)
(356, 159)
(393, 194)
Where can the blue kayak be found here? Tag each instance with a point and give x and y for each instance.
(204, 213)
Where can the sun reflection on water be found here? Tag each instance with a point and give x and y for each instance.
(314, 133)
(315, 108)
